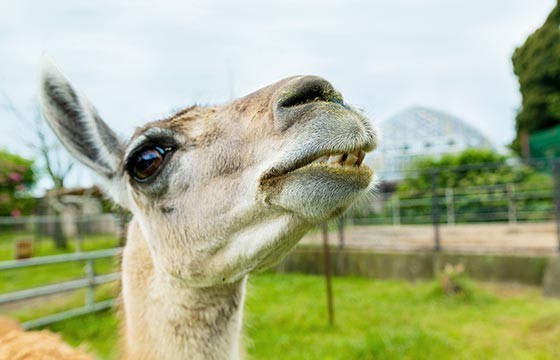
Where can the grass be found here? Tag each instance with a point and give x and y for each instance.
(285, 318)
(396, 320)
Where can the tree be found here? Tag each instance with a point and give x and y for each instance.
(480, 179)
(52, 161)
(465, 169)
(17, 177)
(537, 66)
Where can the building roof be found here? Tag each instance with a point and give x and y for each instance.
(420, 131)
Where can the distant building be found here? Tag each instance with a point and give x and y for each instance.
(418, 132)
(73, 204)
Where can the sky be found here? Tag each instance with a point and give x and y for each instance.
(138, 61)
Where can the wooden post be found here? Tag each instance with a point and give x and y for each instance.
(450, 204)
(435, 210)
(556, 197)
(512, 211)
(23, 249)
(327, 271)
(340, 223)
(79, 234)
(396, 210)
(525, 146)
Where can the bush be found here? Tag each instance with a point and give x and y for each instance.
(17, 177)
(454, 283)
(480, 180)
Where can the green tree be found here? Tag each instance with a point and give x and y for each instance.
(537, 66)
(466, 169)
(480, 179)
(16, 179)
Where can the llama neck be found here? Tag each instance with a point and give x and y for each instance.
(164, 319)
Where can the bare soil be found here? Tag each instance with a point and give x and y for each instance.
(521, 238)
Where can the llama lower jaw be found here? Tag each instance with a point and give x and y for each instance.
(319, 191)
(320, 185)
(342, 168)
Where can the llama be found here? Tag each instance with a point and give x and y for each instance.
(216, 193)
(15, 344)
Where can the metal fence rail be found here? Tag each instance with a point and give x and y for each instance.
(46, 320)
(90, 281)
(57, 259)
(507, 202)
(57, 288)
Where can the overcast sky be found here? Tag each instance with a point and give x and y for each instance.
(139, 60)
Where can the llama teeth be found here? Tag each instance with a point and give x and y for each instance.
(354, 158)
(335, 159)
(343, 159)
(321, 159)
(351, 160)
(361, 157)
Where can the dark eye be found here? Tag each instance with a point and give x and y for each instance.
(147, 162)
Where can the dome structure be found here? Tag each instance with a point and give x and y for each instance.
(418, 132)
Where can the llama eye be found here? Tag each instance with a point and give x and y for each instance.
(147, 162)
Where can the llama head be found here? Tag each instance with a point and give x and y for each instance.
(221, 191)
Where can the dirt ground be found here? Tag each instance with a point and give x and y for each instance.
(521, 238)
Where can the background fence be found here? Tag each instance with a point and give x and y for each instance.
(506, 206)
(508, 202)
(58, 257)
(89, 281)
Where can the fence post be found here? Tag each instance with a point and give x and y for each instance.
(350, 218)
(340, 222)
(450, 205)
(556, 194)
(90, 276)
(435, 209)
(512, 211)
(396, 210)
(327, 271)
(79, 234)
(37, 230)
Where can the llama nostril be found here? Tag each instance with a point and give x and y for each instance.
(301, 98)
(307, 90)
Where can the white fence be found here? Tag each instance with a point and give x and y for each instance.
(90, 281)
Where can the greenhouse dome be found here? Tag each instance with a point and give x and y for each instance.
(417, 132)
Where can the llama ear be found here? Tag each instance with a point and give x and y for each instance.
(76, 123)
(78, 126)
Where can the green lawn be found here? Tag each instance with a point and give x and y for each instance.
(24, 278)
(285, 318)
